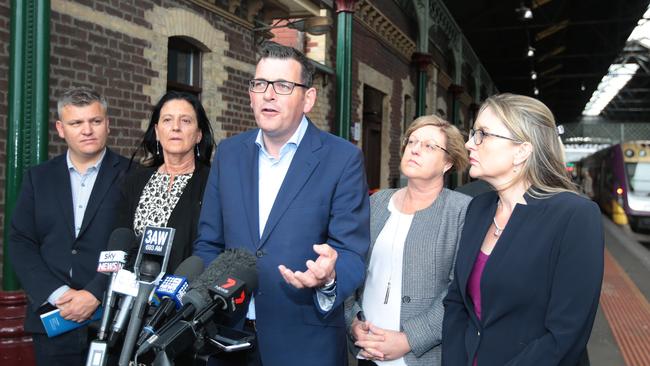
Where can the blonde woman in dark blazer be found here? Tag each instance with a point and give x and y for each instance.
(530, 259)
(414, 232)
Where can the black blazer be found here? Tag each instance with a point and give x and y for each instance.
(539, 289)
(42, 244)
(184, 218)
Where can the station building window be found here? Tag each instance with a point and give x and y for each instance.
(184, 65)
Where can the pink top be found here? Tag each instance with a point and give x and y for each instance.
(474, 283)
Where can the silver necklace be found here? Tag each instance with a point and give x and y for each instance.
(497, 230)
(392, 247)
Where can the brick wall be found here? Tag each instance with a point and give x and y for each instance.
(288, 37)
(235, 115)
(83, 53)
(108, 46)
(116, 63)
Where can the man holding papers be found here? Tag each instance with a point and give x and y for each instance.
(62, 221)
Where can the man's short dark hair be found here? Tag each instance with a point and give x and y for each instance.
(80, 97)
(271, 49)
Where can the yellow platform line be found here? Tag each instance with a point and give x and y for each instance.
(627, 312)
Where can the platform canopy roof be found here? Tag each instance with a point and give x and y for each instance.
(574, 44)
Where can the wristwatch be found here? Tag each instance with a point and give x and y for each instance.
(329, 287)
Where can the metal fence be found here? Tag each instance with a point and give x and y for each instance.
(611, 132)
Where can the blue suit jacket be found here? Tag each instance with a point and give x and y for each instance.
(539, 289)
(323, 199)
(42, 244)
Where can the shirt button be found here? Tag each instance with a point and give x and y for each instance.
(259, 253)
(478, 333)
(81, 206)
(406, 299)
(74, 251)
(83, 184)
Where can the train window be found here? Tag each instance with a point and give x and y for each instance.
(638, 175)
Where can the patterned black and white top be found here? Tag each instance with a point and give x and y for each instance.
(158, 200)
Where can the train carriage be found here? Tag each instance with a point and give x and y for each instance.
(618, 179)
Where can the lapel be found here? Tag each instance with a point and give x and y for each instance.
(509, 240)
(302, 166)
(249, 173)
(105, 180)
(382, 215)
(64, 192)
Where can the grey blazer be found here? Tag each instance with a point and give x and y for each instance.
(428, 266)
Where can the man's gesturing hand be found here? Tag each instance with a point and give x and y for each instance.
(318, 273)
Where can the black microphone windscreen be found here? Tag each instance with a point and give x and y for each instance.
(224, 264)
(215, 269)
(121, 239)
(245, 268)
(198, 297)
(149, 270)
(190, 268)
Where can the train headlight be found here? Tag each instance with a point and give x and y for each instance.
(629, 153)
(619, 191)
(642, 153)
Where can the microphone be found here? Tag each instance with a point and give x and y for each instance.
(149, 270)
(197, 298)
(149, 267)
(204, 300)
(121, 317)
(232, 285)
(171, 291)
(110, 262)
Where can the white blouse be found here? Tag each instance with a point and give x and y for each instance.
(381, 305)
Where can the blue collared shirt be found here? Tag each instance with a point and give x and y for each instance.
(272, 172)
(82, 185)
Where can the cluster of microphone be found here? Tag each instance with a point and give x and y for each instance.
(169, 315)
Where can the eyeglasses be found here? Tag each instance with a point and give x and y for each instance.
(281, 87)
(479, 135)
(428, 146)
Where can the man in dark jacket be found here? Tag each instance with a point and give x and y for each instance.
(61, 223)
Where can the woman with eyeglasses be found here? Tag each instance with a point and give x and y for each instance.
(396, 318)
(530, 260)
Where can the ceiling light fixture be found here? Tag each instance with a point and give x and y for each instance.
(533, 75)
(530, 52)
(535, 91)
(524, 12)
(617, 77)
(641, 32)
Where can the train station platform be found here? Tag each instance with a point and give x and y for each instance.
(621, 334)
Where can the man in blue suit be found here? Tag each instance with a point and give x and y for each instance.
(297, 198)
(62, 221)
